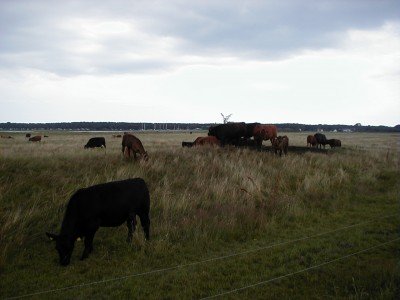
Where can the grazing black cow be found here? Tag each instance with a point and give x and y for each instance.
(103, 205)
(28, 135)
(229, 133)
(321, 140)
(187, 144)
(334, 143)
(96, 142)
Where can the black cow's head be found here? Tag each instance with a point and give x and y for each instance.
(64, 247)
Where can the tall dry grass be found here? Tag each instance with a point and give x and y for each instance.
(202, 196)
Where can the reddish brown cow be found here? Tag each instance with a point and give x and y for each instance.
(281, 143)
(208, 140)
(311, 141)
(264, 132)
(36, 138)
(131, 143)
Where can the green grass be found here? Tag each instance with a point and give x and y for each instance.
(205, 203)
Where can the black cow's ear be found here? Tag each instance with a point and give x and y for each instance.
(51, 236)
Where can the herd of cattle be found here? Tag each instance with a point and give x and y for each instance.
(236, 134)
(113, 203)
(253, 134)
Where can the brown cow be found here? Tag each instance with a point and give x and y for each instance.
(36, 138)
(281, 143)
(264, 132)
(117, 135)
(6, 137)
(208, 140)
(311, 141)
(131, 143)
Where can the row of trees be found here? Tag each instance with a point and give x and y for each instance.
(124, 126)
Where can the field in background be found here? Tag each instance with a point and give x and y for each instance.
(206, 203)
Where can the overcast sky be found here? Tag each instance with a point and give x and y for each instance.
(329, 62)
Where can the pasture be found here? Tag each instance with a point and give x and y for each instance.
(221, 219)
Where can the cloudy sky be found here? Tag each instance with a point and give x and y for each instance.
(329, 62)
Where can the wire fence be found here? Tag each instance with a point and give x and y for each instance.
(298, 272)
(161, 270)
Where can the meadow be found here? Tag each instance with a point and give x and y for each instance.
(222, 220)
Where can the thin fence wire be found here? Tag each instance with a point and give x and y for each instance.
(298, 272)
(198, 262)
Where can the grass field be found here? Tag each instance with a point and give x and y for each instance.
(208, 203)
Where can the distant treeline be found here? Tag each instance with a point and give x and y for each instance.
(124, 126)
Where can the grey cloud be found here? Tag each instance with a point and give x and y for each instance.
(30, 35)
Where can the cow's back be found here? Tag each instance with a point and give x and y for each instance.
(111, 203)
(321, 138)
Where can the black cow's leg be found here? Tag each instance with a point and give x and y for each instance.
(145, 221)
(131, 224)
(88, 244)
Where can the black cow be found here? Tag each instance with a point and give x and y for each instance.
(103, 205)
(250, 129)
(229, 133)
(187, 144)
(321, 140)
(334, 143)
(96, 142)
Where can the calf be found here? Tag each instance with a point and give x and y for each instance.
(281, 143)
(334, 143)
(96, 142)
(103, 205)
(36, 138)
(131, 143)
(207, 140)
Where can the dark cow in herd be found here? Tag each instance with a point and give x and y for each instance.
(321, 140)
(229, 133)
(238, 133)
(334, 143)
(36, 138)
(96, 142)
(131, 144)
(103, 205)
(187, 144)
